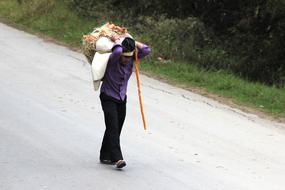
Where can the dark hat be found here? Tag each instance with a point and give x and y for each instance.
(128, 44)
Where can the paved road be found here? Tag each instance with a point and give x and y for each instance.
(51, 127)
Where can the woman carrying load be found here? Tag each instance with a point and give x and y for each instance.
(113, 96)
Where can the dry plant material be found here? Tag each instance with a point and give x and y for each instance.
(89, 41)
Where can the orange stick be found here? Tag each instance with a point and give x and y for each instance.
(139, 89)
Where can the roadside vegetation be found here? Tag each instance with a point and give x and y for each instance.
(234, 51)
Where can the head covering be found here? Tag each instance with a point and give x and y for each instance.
(128, 45)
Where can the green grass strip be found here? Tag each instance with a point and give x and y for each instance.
(261, 97)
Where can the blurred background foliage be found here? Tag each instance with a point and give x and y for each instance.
(243, 37)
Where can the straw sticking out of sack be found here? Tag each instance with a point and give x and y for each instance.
(89, 41)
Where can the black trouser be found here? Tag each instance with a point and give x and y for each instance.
(114, 113)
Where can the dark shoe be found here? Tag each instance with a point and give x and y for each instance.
(120, 164)
(105, 161)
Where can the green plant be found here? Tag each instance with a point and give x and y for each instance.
(34, 8)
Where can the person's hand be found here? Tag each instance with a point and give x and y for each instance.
(127, 35)
(139, 45)
(115, 38)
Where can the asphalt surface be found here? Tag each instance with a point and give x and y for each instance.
(51, 127)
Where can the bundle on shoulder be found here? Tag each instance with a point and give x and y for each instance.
(97, 48)
(99, 40)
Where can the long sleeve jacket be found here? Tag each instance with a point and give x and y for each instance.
(117, 75)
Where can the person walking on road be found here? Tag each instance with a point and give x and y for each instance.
(113, 96)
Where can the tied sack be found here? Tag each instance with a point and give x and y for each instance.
(100, 60)
(97, 48)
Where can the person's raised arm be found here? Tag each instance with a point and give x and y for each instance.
(143, 50)
(117, 49)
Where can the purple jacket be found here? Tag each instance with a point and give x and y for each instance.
(117, 75)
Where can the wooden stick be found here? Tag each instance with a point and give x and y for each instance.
(139, 89)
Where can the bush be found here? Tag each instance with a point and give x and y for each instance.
(245, 37)
(172, 38)
(34, 8)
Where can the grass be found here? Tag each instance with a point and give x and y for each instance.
(270, 100)
(64, 25)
